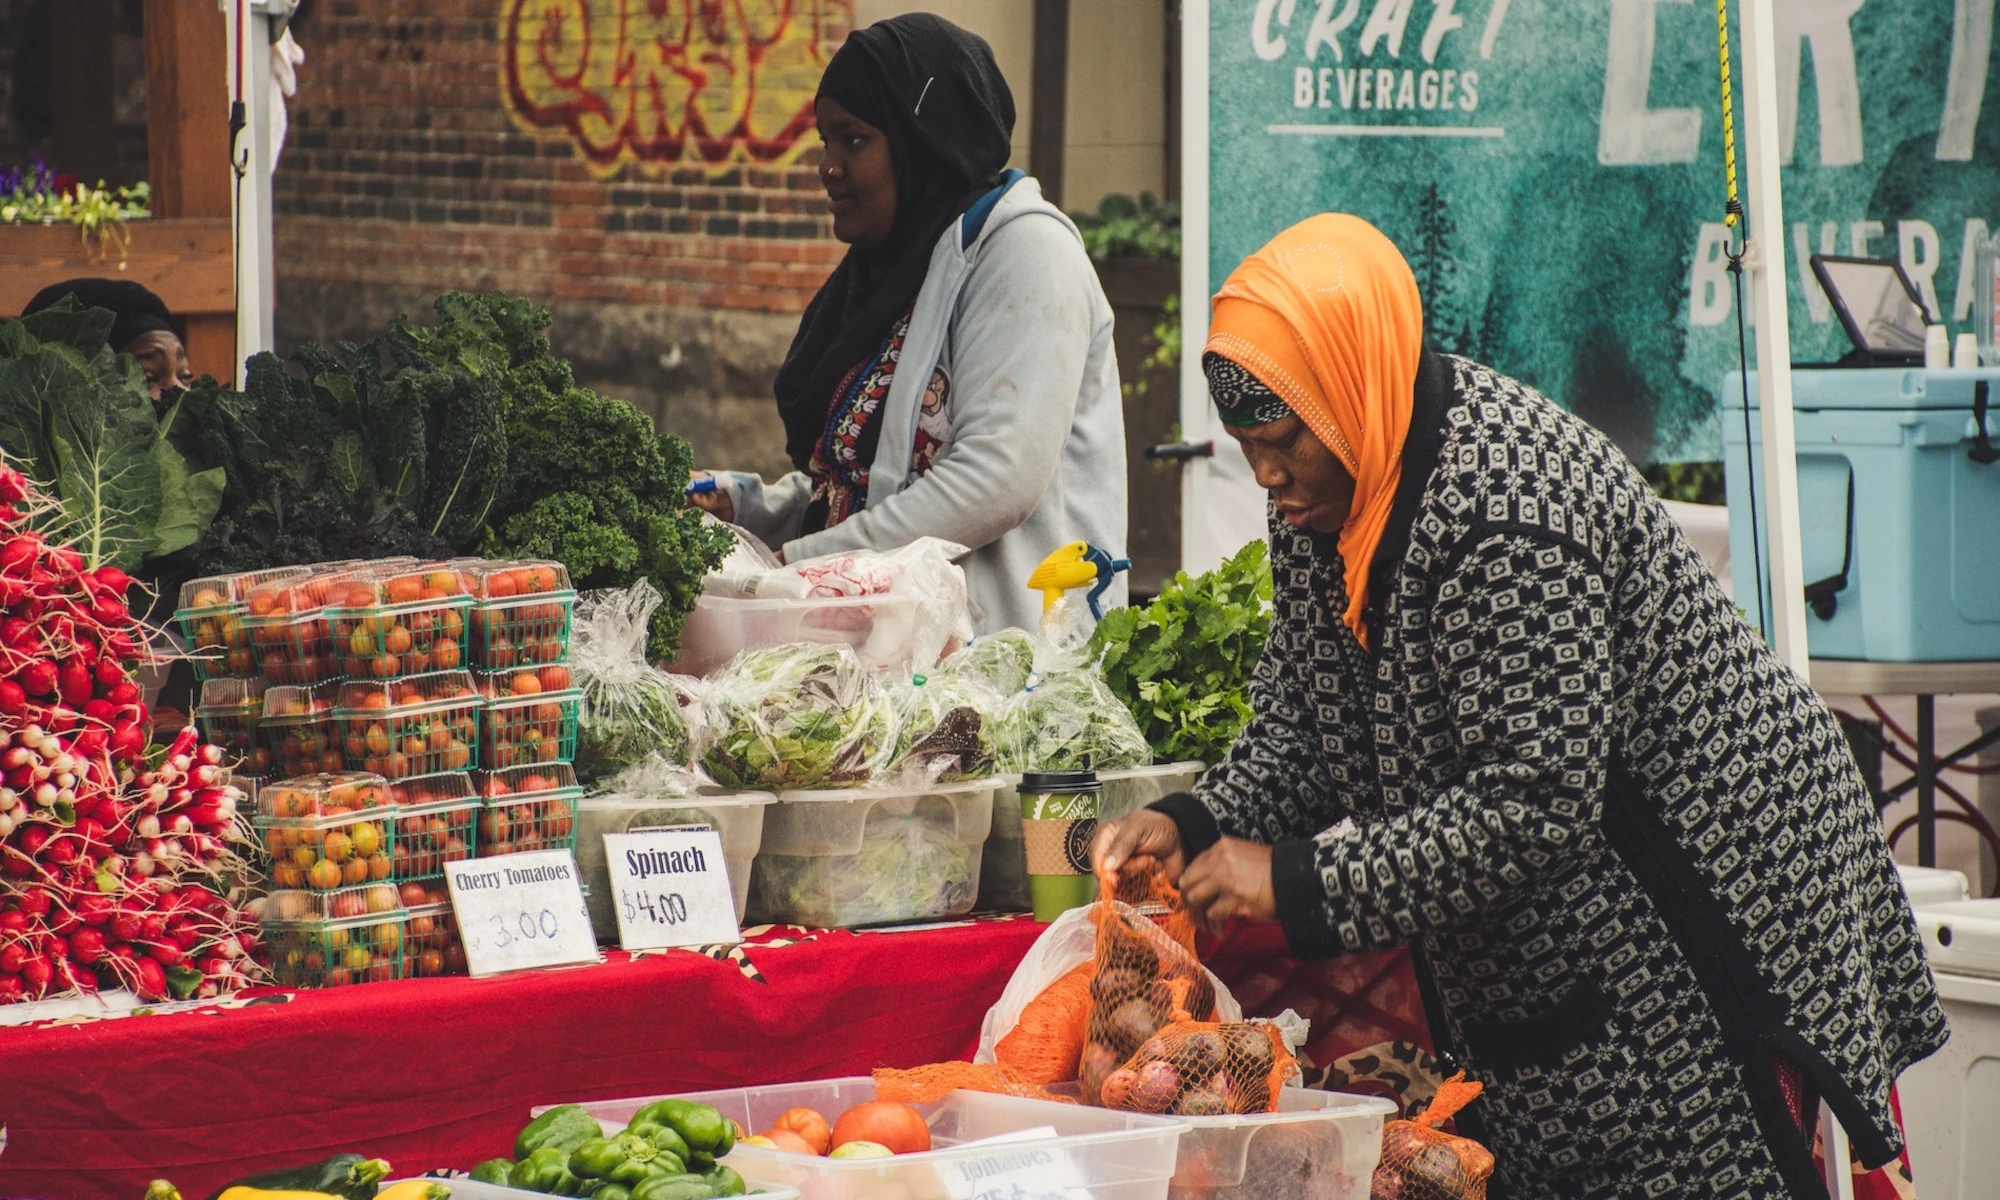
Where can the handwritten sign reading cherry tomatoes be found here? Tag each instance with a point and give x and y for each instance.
(671, 888)
(518, 911)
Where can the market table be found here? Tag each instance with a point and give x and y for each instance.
(440, 1072)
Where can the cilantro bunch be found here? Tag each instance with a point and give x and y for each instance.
(1182, 664)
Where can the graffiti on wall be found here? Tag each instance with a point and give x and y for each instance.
(670, 81)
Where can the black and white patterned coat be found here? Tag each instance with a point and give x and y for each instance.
(1629, 849)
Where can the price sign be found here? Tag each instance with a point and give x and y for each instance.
(1016, 1168)
(671, 888)
(518, 911)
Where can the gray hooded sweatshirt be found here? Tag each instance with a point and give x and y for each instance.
(1008, 371)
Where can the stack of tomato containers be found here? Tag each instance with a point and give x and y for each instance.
(214, 618)
(334, 916)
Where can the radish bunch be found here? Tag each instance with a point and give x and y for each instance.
(116, 867)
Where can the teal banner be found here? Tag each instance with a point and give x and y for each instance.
(1554, 172)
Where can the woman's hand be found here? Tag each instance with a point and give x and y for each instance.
(1231, 879)
(716, 501)
(1144, 833)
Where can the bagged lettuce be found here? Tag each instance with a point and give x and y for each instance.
(944, 727)
(1000, 661)
(1067, 720)
(796, 716)
(631, 710)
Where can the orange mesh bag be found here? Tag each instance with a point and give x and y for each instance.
(1202, 1068)
(1144, 971)
(1046, 1044)
(929, 1084)
(1422, 1162)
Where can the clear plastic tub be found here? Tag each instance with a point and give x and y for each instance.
(1104, 1154)
(227, 716)
(327, 832)
(521, 613)
(871, 856)
(401, 621)
(435, 818)
(416, 726)
(297, 728)
(882, 629)
(287, 907)
(1003, 871)
(519, 730)
(472, 1189)
(1317, 1146)
(527, 808)
(737, 817)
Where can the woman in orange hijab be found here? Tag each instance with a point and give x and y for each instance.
(1507, 718)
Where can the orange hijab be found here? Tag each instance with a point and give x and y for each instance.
(1327, 316)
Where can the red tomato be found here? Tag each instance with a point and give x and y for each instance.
(892, 1123)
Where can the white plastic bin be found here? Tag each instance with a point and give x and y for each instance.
(468, 1189)
(871, 856)
(737, 816)
(1003, 871)
(1950, 1099)
(882, 629)
(1108, 1155)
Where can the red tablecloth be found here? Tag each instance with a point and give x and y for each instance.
(429, 1073)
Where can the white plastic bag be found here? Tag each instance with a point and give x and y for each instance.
(923, 570)
(631, 709)
(1069, 942)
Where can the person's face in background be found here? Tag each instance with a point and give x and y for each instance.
(1307, 482)
(164, 360)
(858, 175)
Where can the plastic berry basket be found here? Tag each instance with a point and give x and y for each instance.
(401, 621)
(521, 613)
(328, 832)
(435, 820)
(422, 725)
(431, 943)
(228, 716)
(310, 950)
(296, 727)
(288, 627)
(520, 730)
(527, 808)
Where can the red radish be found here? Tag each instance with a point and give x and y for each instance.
(36, 973)
(38, 678)
(13, 698)
(152, 981)
(86, 946)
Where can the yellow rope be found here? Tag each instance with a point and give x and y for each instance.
(1735, 207)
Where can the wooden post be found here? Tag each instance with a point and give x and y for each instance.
(1050, 126)
(187, 146)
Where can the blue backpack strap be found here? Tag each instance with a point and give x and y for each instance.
(974, 219)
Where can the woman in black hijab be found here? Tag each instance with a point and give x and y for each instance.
(142, 328)
(972, 446)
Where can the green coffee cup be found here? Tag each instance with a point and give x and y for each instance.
(1059, 811)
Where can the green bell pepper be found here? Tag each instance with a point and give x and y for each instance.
(565, 1127)
(707, 1132)
(612, 1191)
(674, 1187)
(547, 1171)
(493, 1170)
(626, 1159)
(663, 1136)
(345, 1176)
(725, 1181)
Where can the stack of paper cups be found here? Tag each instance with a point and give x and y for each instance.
(1937, 348)
(1965, 352)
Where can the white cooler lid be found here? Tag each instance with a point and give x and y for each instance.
(1962, 938)
(1932, 885)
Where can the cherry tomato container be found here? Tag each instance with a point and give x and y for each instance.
(211, 620)
(296, 727)
(399, 621)
(228, 716)
(527, 808)
(431, 945)
(355, 935)
(288, 627)
(522, 729)
(328, 832)
(435, 820)
(404, 728)
(520, 614)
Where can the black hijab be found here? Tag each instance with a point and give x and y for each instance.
(936, 93)
(136, 309)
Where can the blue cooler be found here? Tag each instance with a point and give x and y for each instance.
(1899, 511)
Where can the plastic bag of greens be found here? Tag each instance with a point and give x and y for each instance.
(1067, 720)
(944, 729)
(630, 708)
(1001, 661)
(911, 866)
(795, 716)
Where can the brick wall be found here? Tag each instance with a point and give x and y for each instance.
(431, 149)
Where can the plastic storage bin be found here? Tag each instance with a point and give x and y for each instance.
(472, 1189)
(737, 817)
(401, 621)
(327, 832)
(297, 728)
(416, 726)
(1104, 1154)
(1949, 1098)
(870, 856)
(527, 808)
(228, 715)
(1899, 523)
(521, 613)
(435, 818)
(1003, 871)
(882, 629)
